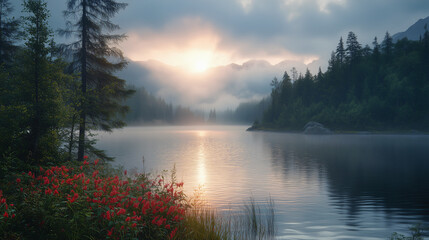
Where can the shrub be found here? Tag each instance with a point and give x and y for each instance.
(92, 201)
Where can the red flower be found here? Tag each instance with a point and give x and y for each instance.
(108, 217)
(6, 215)
(109, 232)
(18, 180)
(121, 211)
(85, 157)
(173, 233)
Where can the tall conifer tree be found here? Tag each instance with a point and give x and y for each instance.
(8, 32)
(36, 52)
(92, 53)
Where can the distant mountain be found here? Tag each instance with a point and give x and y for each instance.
(414, 32)
(218, 87)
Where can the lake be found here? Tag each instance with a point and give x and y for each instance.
(324, 187)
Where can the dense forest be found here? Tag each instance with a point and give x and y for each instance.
(49, 107)
(383, 87)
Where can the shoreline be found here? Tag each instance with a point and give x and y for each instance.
(342, 132)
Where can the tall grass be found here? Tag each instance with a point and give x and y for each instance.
(251, 221)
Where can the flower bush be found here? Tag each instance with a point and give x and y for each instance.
(92, 201)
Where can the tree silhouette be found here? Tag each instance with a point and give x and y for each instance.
(92, 54)
(8, 32)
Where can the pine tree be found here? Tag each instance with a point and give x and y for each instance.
(376, 50)
(286, 89)
(387, 46)
(8, 33)
(341, 52)
(37, 62)
(353, 50)
(102, 92)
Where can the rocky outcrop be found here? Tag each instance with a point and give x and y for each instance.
(316, 128)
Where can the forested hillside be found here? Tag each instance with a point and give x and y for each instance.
(382, 87)
(147, 109)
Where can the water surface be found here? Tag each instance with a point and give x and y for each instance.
(324, 187)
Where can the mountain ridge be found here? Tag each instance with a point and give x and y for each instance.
(414, 32)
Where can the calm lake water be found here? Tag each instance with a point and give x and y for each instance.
(324, 187)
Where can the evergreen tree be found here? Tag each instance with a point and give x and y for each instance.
(37, 62)
(365, 94)
(353, 50)
(341, 52)
(102, 92)
(387, 46)
(376, 50)
(8, 33)
(294, 73)
(286, 89)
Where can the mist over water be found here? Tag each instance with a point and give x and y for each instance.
(324, 187)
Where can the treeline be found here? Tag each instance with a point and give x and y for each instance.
(49, 106)
(245, 113)
(147, 109)
(383, 87)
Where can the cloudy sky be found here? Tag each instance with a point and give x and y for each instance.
(193, 36)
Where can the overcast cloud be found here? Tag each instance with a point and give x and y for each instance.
(192, 35)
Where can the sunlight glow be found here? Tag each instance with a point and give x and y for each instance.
(201, 133)
(197, 61)
(198, 46)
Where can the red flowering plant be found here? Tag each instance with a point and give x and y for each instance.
(94, 201)
(7, 213)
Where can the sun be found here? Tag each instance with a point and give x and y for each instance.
(197, 60)
(199, 66)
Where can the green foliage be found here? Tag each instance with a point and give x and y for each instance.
(9, 33)
(31, 102)
(102, 93)
(383, 88)
(90, 201)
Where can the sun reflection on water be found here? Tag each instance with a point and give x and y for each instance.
(202, 159)
(202, 172)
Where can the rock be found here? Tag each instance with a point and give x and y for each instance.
(255, 126)
(252, 128)
(315, 128)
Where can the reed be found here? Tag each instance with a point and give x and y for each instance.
(252, 221)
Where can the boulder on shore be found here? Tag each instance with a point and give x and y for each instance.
(315, 128)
